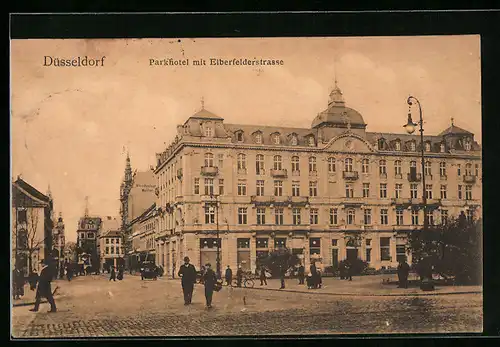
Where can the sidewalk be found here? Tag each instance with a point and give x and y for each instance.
(363, 286)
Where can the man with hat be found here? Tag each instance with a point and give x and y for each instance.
(43, 288)
(209, 279)
(188, 274)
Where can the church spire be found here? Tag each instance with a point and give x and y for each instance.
(336, 96)
(86, 206)
(128, 169)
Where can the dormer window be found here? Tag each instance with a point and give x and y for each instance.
(258, 138)
(397, 145)
(311, 141)
(276, 139)
(381, 144)
(467, 145)
(412, 146)
(427, 147)
(442, 148)
(208, 131)
(239, 136)
(294, 140)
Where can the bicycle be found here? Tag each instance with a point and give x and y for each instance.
(247, 282)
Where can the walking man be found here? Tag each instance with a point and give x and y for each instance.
(43, 288)
(188, 274)
(239, 276)
(209, 279)
(403, 271)
(263, 279)
(113, 274)
(229, 275)
(301, 274)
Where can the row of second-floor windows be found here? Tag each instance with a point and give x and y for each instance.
(114, 250)
(463, 191)
(349, 216)
(348, 165)
(87, 235)
(114, 240)
(149, 226)
(168, 176)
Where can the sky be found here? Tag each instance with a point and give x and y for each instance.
(72, 126)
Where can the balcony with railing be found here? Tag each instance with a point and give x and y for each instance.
(209, 171)
(401, 201)
(398, 176)
(279, 173)
(414, 177)
(350, 175)
(469, 179)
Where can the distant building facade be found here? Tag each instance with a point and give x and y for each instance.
(143, 237)
(88, 233)
(31, 226)
(111, 244)
(329, 192)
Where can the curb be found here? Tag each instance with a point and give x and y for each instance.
(368, 295)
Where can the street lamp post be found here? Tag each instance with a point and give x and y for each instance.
(213, 196)
(410, 129)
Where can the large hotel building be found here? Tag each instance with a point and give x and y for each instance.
(329, 192)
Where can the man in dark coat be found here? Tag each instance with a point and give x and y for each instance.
(188, 274)
(262, 277)
(44, 289)
(403, 271)
(239, 276)
(229, 275)
(349, 270)
(18, 283)
(301, 274)
(209, 279)
(282, 270)
(120, 273)
(314, 274)
(113, 274)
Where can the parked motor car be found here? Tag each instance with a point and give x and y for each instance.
(149, 270)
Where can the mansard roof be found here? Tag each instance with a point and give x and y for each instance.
(204, 114)
(27, 195)
(454, 130)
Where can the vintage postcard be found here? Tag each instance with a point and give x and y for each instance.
(246, 186)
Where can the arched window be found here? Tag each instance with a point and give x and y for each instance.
(276, 139)
(277, 162)
(381, 144)
(208, 131)
(351, 216)
(413, 163)
(259, 164)
(239, 136)
(295, 164)
(258, 138)
(209, 159)
(348, 165)
(311, 141)
(397, 145)
(242, 161)
(331, 165)
(467, 144)
(442, 148)
(294, 140)
(312, 164)
(365, 166)
(413, 146)
(442, 169)
(397, 167)
(382, 167)
(427, 147)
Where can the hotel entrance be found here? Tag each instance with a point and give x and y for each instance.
(352, 254)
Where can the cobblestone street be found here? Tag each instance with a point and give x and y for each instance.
(92, 306)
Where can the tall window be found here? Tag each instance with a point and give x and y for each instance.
(312, 164)
(242, 215)
(428, 191)
(296, 216)
(399, 217)
(467, 145)
(278, 216)
(261, 215)
(208, 131)
(412, 146)
(314, 245)
(333, 216)
(348, 165)
(427, 168)
(368, 216)
(382, 167)
(295, 188)
(443, 191)
(311, 141)
(383, 190)
(444, 216)
(442, 148)
(277, 162)
(276, 139)
(430, 217)
(294, 140)
(313, 216)
(384, 219)
(468, 169)
(349, 191)
(397, 167)
(427, 147)
(295, 164)
(442, 169)
(242, 187)
(239, 136)
(209, 159)
(414, 190)
(331, 165)
(351, 216)
(413, 165)
(365, 166)
(278, 188)
(460, 197)
(469, 214)
(221, 160)
(221, 186)
(259, 164)
(468, 192)
(366, 190)
(209, 214)
(313, 188)
(385, 248)
(459, 167)
(196, 186)
(398, 190)
(209, 186)
(260, 188)
(242, 161)
(258, 138)
(414, 217)
(398, 145)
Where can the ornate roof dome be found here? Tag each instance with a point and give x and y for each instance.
(337, 114)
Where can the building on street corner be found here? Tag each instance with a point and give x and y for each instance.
(111, 252)
(329, 192)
